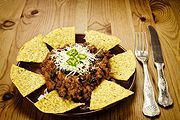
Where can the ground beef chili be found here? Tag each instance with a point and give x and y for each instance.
(77, 87)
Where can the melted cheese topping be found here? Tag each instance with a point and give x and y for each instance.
(61, 59)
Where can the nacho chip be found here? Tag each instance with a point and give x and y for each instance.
(122, 65)
(26, 81)
(107, 93)
(52, 103)
(60, 37)
(34, 50)
(101, 40)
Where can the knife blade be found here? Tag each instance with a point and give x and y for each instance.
(157, 52)
(164, 97)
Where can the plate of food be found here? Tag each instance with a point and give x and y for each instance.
(72, 74)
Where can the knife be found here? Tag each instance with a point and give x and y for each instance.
(164, 97)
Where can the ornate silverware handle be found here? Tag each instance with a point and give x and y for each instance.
(164, 97)
(150, 107)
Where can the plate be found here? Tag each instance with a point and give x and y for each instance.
(80, 111)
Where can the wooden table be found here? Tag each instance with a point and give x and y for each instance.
(20, 20)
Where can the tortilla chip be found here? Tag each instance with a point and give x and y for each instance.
(34, 50)
(52, 103)
(107, 93)
(122, 65)
(26, 81)
(101, 40)
(58, 38)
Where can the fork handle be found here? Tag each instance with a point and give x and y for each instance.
(150, 107)
(164, 97)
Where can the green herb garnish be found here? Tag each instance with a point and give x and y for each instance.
(72, 61)
(72, 52)
(75, 57)
(81, 56)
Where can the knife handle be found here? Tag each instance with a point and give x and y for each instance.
(150, 107)
(164, 97)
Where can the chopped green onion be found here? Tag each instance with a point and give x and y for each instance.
(81, 56)
(72, 61)
(72, 52)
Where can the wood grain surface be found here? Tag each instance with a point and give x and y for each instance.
(20, 20)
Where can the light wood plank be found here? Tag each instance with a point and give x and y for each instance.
(169, 34)
(8, 22)
(98, 16)
(142, 16)
(121, 22)
(81, 16)
(10, 13)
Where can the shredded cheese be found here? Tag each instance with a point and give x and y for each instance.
(60, 58)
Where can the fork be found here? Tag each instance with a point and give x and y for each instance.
(150, 107)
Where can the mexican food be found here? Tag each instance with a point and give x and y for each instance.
(75, 74)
